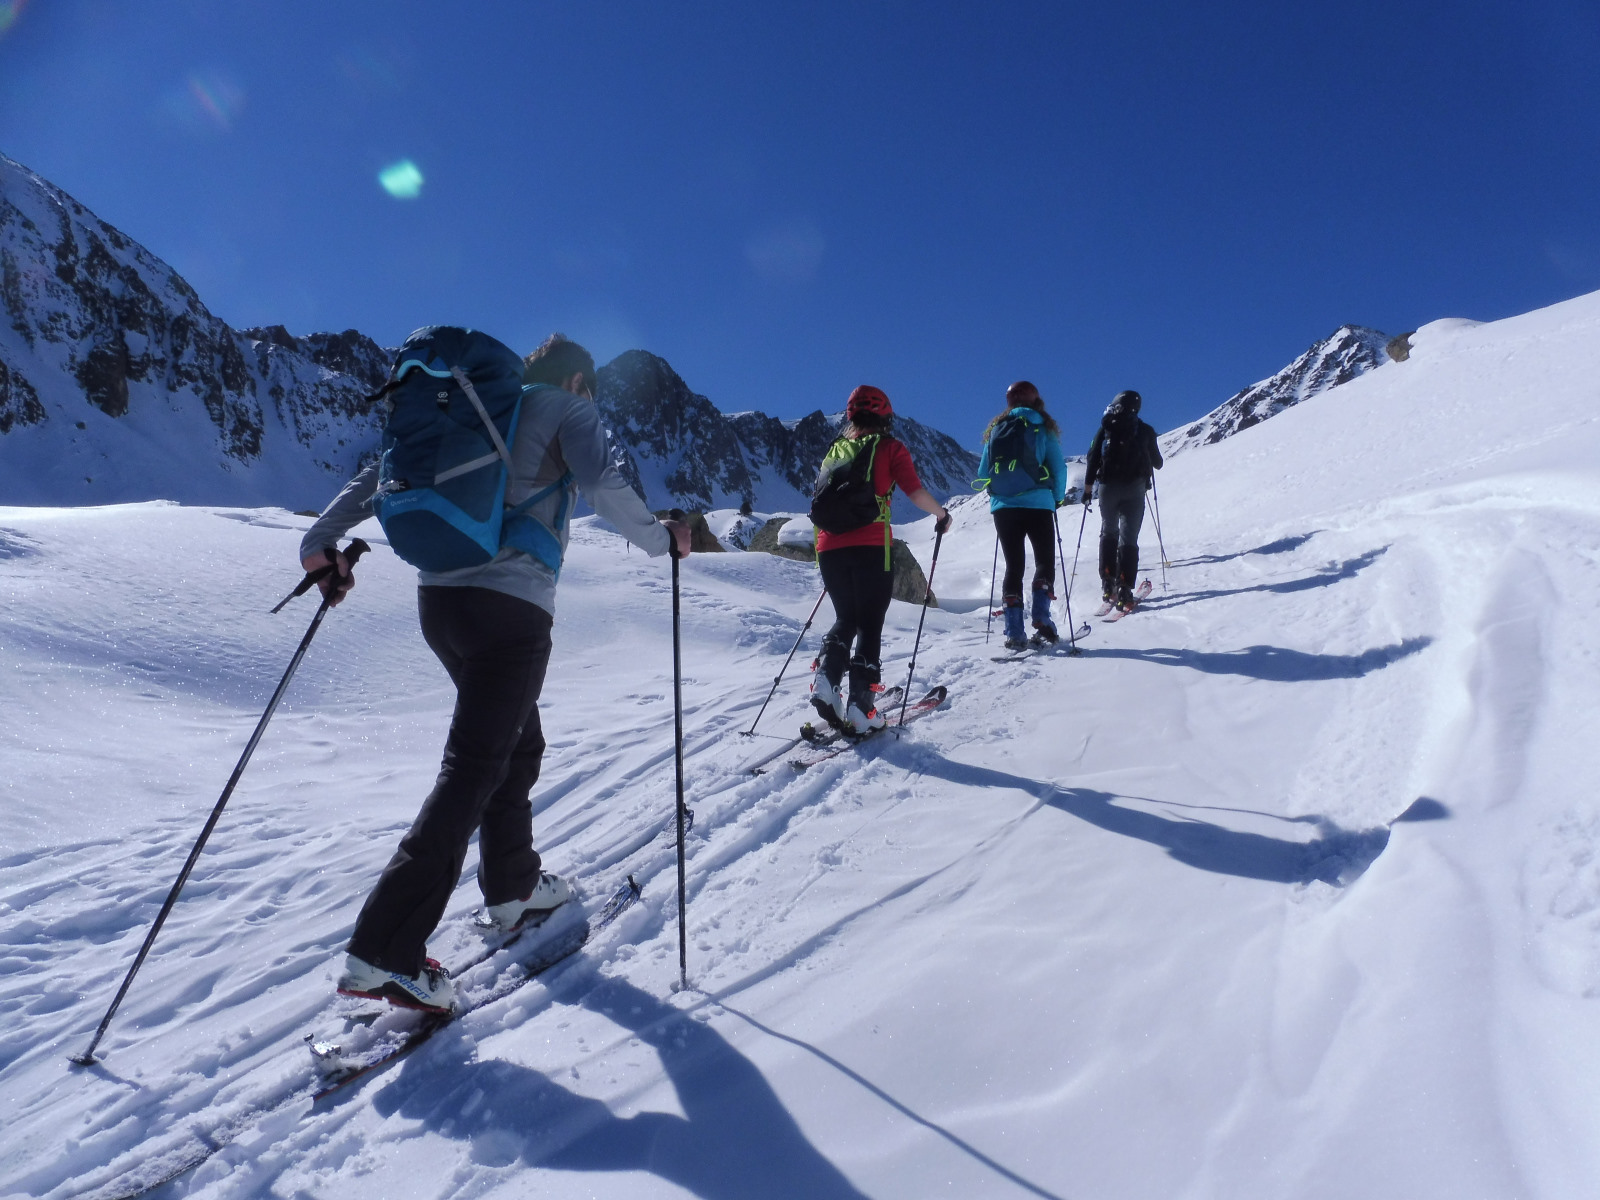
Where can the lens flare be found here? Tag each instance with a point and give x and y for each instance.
(10, 10)
(206, 100)
(401, 180)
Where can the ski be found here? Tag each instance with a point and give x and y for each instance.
(825, 747)
(759, 766)
(826, 735)
(1139, 594)
(391, 1034)
(1038, 648)
(1105, 607)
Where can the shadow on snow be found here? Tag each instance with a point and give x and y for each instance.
(1282, 546)
(1334, 856)
(1332, 573)
(734, 1140)
(1275, 663)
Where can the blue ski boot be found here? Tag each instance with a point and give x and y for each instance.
(1044, 627)
(1016, 636)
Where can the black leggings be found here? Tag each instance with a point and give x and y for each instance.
(1121, 515)
(1016, 526)
(860, 590)
(496, 648)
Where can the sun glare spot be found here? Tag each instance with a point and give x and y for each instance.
(401, 180)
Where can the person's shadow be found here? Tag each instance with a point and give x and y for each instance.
(1333, 855)
(1276, 663)
(1328, 575)
(735, 1139)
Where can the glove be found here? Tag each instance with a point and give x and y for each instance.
(942, 525)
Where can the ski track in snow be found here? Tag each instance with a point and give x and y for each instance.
(1139, 923)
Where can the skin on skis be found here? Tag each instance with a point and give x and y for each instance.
(829, 746)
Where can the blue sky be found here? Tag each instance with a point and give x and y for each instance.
(785, 201)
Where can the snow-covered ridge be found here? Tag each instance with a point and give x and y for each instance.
(117, 383)
(1345, 354)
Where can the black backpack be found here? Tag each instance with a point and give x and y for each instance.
(1124, 458)
(1014, 465)
(844, 498)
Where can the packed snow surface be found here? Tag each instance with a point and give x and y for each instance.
(1145, 923)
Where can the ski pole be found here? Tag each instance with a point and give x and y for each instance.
(933, 565)
(993, 567)
(1072, 626)
(778, 678)
(352, 552)
(1079, 549)
(1155, 508)
(677, 739)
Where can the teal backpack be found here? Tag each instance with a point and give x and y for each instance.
(1016, 461)
(453, 399)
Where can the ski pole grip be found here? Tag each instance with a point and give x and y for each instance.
(676, 514)
(352, 553)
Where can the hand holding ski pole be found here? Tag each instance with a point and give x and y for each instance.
(677, 524)
(330, 571)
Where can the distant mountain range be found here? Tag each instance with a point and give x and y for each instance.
(118, 384)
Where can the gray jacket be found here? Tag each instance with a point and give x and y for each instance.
(557, 433)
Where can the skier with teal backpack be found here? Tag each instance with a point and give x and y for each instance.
(1025, 475)
(484, 455)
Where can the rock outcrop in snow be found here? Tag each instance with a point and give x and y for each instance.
(1349, 351)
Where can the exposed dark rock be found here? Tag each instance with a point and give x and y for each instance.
(910, 584)
(765, 540)
(1399, 348)
(19, 403)
(103, 375)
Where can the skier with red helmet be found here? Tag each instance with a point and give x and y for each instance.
(850, 509)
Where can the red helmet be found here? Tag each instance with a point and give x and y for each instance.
(868, 399)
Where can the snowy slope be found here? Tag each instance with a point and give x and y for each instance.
(1137, 924)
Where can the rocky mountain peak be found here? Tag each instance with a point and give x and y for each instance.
(1347, 352)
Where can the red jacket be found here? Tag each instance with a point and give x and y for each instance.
(891, 468)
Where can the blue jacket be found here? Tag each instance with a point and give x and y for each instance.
(1048, 496)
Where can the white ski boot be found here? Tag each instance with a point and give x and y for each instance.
(431, 991)
(551, 892)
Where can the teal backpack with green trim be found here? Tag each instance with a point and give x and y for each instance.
(1016, 464)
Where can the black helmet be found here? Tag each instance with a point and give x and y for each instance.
(1125, 401)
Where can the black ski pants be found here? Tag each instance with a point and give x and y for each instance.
(1017, 526)
(860, 589)
(495, 648)
(1121, 515)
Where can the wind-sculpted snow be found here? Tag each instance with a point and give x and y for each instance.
(1286, 887)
